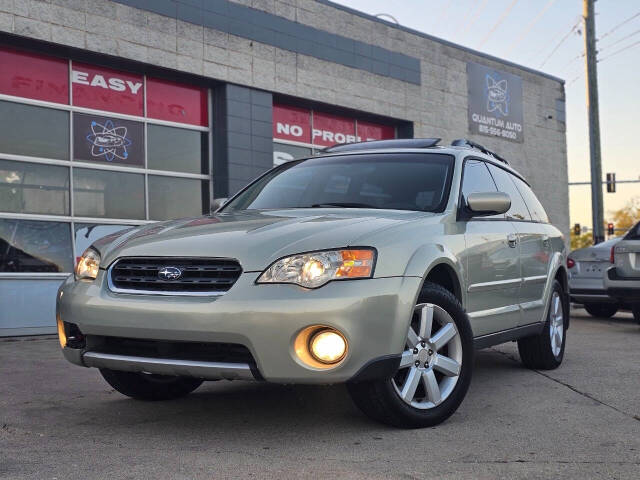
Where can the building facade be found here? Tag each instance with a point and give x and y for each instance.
(120, 113)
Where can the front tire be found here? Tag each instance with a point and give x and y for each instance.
(545, 351)
(142, 386)
(636, 312)
(435, 368)
(601, 310)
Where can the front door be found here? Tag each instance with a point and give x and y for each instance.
(492, 261)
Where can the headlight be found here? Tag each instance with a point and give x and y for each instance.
(312, 270)
(88, 265)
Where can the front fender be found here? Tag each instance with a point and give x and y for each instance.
(427, 257)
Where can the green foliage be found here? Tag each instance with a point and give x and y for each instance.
(581, 241)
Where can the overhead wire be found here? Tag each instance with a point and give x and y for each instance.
(606, 47)
(562, 40)
(620, 50)
(616, 27)
(501, 19)
(529, 26)
(474, 17)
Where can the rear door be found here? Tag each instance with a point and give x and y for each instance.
(492, 260)
(627, 254)
(535, 255)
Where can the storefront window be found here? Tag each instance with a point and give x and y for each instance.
(34, 131)
(171, 197)
(104, 193)
(35, 246)
(283, 152)
(34, 188)
(176, 149)
(87, 233)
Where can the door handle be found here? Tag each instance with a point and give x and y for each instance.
(512, 240)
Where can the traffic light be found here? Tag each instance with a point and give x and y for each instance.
(611, 229)
(577, 229)
(611, 183)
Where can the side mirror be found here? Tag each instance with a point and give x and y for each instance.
(490, 203)
(218, 203)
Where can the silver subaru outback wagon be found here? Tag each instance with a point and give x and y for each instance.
(382, 265)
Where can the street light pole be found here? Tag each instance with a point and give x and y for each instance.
(597, 210)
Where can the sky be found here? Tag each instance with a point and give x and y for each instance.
(538, 34)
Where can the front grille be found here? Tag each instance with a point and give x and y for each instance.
(163, 349)
(200, 276)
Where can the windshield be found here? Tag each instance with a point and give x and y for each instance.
(401, 181)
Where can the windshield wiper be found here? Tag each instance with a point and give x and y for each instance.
(343, 204)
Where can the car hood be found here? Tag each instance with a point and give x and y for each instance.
(255, 238)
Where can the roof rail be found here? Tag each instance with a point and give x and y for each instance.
(463, 142)
(374, 144)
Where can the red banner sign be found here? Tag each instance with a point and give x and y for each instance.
(371, 131)
(106, 89)
(291, 123)
(28, 75)
(330, 129)
(294, 124)
(177, 103)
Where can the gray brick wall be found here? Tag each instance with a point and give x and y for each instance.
(436, 104)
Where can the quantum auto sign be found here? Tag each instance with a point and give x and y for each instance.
(495, 103)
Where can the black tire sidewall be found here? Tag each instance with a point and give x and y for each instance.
(415, 417)
(601, 310)
(557, 287)
(142, 387)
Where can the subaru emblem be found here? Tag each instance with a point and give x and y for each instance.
(169, 273)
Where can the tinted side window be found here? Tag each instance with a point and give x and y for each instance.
(535, 207)
(634, 233)
(477, 179)
(518, 210)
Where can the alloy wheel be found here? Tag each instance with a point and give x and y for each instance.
(556, 323)
(431, 364)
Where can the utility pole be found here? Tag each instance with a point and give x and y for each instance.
(594, 120)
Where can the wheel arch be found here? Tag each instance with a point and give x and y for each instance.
(438, 264)
(562, 277)
(444, 274)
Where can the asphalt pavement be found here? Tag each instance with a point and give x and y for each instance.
(59, 421)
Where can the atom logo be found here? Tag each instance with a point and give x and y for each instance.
(108, 141)
(497, 96)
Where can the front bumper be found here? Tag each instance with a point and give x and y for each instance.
(372, 314)
(622, 288)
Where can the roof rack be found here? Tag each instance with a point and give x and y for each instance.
(374, 144)
(463, 142)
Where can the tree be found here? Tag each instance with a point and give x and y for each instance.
(627, 216)
(581, 241)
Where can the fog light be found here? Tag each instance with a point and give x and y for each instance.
(328, 346)
(62, 336)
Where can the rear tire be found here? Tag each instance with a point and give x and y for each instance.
(443, 373)
(545, 351)
(142, 386)
(636, 312)
(601, 310)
